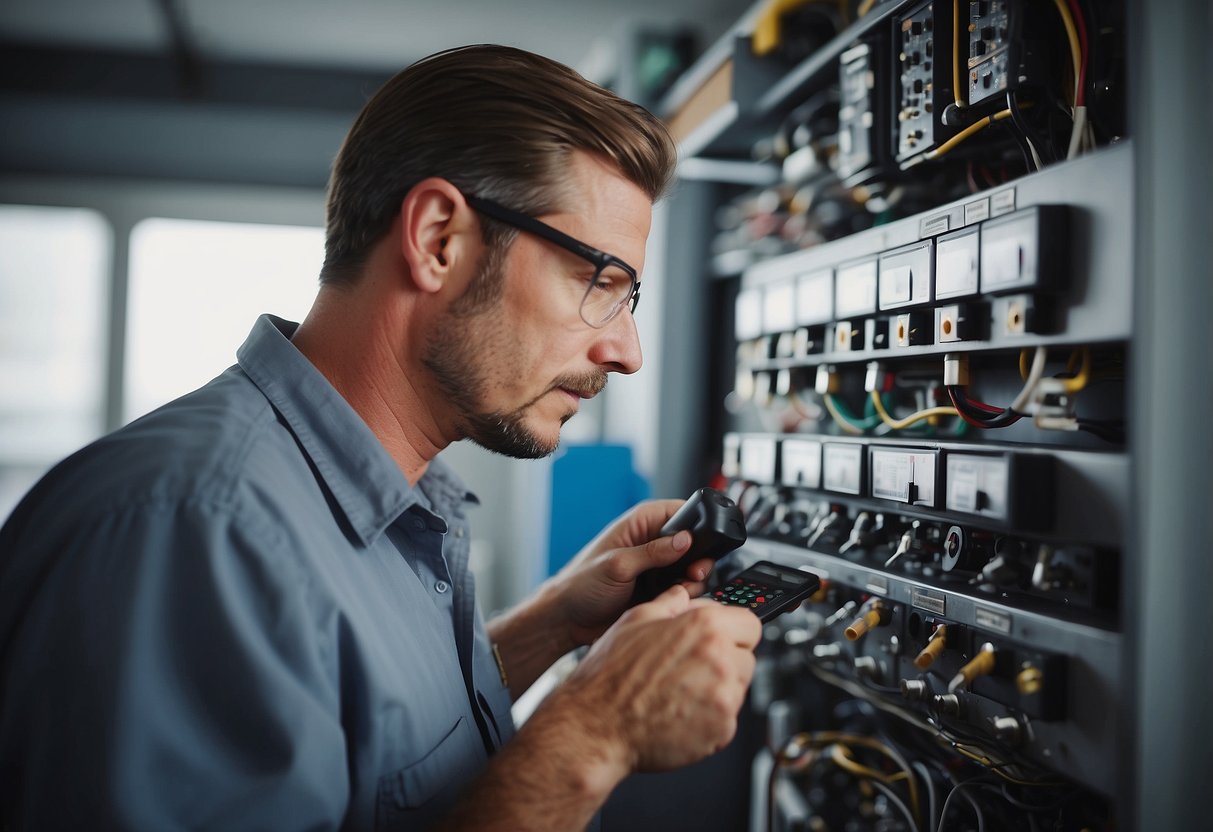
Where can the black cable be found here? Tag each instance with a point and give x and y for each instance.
(896, 801)
(1112, 433)
(961, 402)
(981, 820)
(1023, 131)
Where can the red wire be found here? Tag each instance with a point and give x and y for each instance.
(988, 408)
(963, 415)
(1084, 49)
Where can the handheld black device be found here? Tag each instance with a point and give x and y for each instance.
(767, 589)
(717, 528)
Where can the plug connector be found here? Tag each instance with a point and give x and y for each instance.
(981, 665)
(874, 381)
(876, 615)
(956, 369)
(935, 646)
(827, 381)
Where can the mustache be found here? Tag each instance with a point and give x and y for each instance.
(585, 384)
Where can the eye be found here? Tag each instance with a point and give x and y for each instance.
(613, 281)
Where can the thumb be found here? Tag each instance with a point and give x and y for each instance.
(658, 552)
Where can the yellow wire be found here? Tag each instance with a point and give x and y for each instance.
(997, 767)
(1080, 380)
(968, 131)
(838, 753)
(1072, 36)
(899, 424)
(865, 7)
(1072, 385)
(819, 739)
(828, 400)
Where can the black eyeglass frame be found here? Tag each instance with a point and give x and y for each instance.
(600, 259)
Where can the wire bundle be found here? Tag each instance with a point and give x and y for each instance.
(986, 416)
(805, 750)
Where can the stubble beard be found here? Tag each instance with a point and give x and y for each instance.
(454, 358)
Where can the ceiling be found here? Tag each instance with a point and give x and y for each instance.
(357, 34)
(262, 91)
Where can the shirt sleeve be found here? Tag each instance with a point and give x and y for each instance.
(170, 672)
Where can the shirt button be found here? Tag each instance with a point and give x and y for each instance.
(442, 586)
(459, 531)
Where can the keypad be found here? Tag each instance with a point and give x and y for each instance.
(740, 593)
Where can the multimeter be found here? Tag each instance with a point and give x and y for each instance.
(717, 527)
(766, 589)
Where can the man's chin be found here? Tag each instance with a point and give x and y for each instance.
(511, 438)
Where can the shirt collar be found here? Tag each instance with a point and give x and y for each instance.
(367, 485)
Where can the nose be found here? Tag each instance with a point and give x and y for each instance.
(617, 346)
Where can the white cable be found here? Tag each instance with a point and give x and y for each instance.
(1076, 135)
(1035, 156)
(1034, 374)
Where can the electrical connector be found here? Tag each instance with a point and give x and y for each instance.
(860, 532)
(839, 614)
(874, 381)
(827, 381)
(980, 665)
(1052, 405)
(908, 539)
(824, 525)
(934, 647)
(876, 615)
(783, 383)
(956, 369)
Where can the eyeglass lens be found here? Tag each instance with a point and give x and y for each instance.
(611, 290)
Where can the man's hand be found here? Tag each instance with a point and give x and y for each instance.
(596, 586)
(663, 686)
(577, 605)
(660, 689)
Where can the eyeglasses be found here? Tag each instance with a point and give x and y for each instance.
(614, 284)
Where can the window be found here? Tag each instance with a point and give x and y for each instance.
(53, 307)
(195, 290)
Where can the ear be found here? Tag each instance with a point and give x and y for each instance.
(439, 234)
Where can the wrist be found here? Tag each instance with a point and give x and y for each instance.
(551, 609)
(593, 758)
(529, 638)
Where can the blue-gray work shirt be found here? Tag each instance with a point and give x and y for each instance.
(236, 613)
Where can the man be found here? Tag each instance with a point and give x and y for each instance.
(252, 609)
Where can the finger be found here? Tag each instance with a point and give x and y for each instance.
(740, 624)
(644, 521)
(669, 604)
(661, 551)
(694, 588)
(700, 569)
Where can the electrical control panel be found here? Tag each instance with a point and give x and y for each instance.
(923, 79)
(933, 411)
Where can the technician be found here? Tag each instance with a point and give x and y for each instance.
(252, 607)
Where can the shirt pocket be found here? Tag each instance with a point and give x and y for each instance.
(421, 792)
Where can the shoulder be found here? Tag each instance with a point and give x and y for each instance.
(202, 450)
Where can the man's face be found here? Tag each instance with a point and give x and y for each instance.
(515, 370)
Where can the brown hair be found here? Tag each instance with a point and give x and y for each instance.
(496, 122)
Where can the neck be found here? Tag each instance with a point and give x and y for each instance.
(358, 339)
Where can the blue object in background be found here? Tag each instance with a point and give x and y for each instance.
(591, 486)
